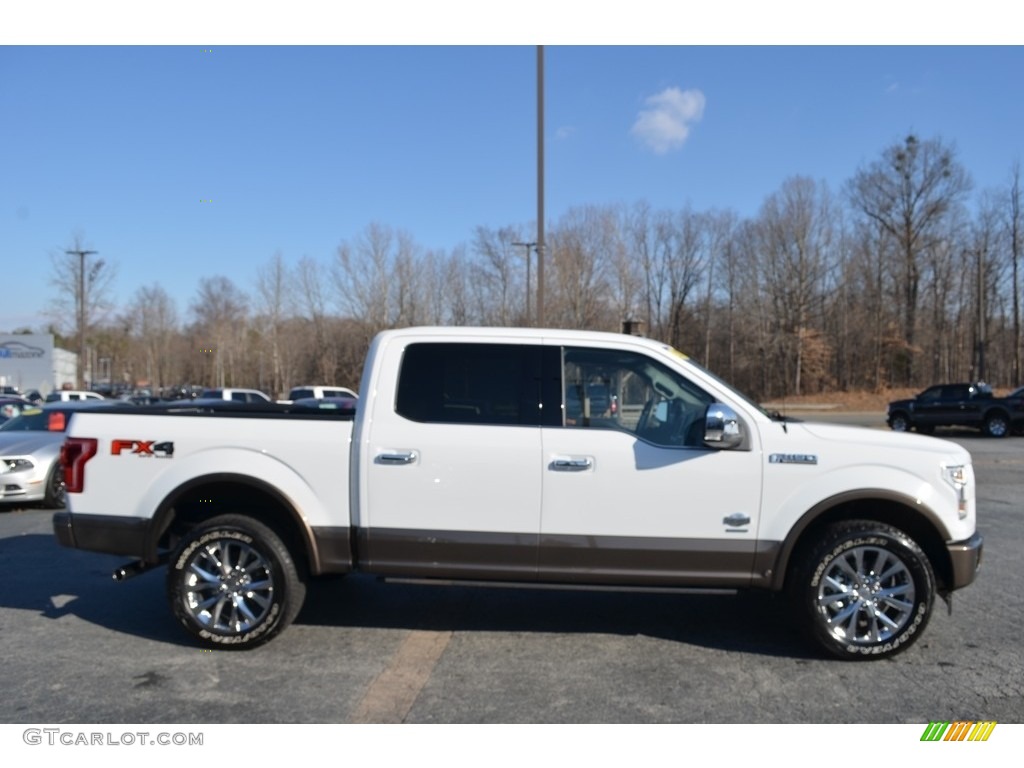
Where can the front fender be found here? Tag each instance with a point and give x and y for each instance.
(796, 499)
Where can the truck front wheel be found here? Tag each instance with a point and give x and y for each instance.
(863, 590)
(899, 422)
(232, 583)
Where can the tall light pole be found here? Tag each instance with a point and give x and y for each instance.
(540, 186)
(80, 300)
(528, 286)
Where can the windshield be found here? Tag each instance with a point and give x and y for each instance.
(773, 415)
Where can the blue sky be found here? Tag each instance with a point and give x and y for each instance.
(301, 147)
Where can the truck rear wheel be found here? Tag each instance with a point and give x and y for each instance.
(232, 583)
(864, 590)
(997, 425)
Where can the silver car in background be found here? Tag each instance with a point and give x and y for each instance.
(30, 469)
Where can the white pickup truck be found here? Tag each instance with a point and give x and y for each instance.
(528, 456)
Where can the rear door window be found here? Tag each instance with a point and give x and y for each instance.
(456, 383)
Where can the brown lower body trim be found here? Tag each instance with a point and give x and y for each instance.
(560, 559)
(646, 561)
(448, 554)
(965, 559)
(333, 549)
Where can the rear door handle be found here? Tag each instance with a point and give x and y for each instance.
(398, 457)
(580, 464)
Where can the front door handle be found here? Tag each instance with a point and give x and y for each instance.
(405, 457)
(581, 464)
(736, 519)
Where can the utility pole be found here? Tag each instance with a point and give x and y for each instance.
(540, 186)
(528, 285)
(80, 301)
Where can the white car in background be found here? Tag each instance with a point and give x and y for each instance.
(319, 392)
(72, 395)
(236, 395)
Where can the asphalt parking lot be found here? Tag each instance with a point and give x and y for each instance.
(80, 648)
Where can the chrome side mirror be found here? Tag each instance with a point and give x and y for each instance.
(722, 427)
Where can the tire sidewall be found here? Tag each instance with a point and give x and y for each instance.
(997, 419)
(895, 543)
(53, 497)
(900, 423)
(269, 548)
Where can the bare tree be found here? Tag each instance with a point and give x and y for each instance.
(686, 260)
(638, 229)
(721, 226)
(1015, 238)
(457, 292)
(83, 282)
(909, 193)
(155, 322)
(580, 248)
(274, 304)
(796, 228)
(221, 312)
(500, 274)
(312, 298)
(362, 276)
(982, 249)
(624, 276)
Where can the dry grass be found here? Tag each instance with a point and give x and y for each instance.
(866, 401)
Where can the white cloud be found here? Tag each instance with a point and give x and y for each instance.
(665, 124)
(564, 132)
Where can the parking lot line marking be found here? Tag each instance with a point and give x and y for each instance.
(393, 692)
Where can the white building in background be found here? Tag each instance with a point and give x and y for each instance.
(30, 361)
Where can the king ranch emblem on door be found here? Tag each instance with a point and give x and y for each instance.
(147, 448)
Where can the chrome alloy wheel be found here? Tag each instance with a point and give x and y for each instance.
(866, 595)
(229, 586)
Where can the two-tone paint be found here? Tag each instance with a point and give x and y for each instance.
(531, 502)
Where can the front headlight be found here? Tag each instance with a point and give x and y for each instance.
(15, 465)
(956, 476)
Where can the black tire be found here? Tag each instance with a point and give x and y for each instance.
(862, 590)
(233, 584)
(899, 422)
(54, 496)
(997, 424)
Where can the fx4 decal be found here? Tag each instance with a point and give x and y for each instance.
(163, 450)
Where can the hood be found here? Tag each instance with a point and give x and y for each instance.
(25, 443)
(882, 439)
(902, 403)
